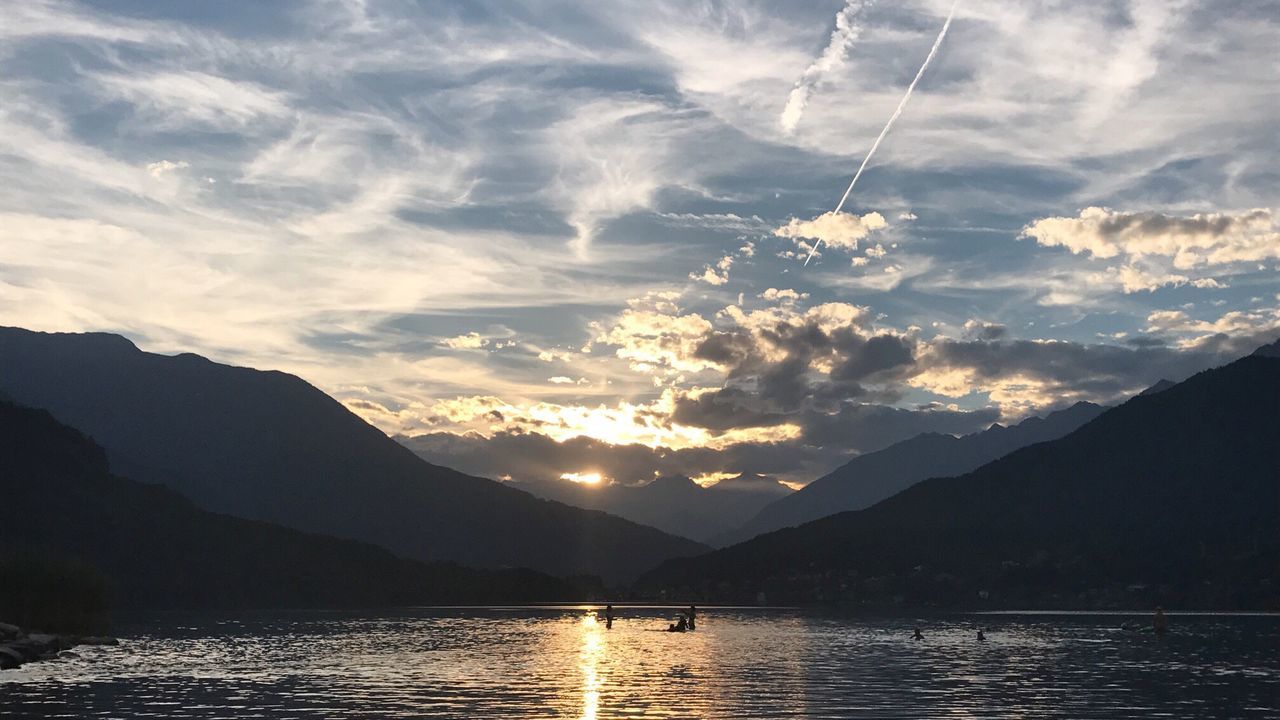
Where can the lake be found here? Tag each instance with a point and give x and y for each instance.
(753, 663)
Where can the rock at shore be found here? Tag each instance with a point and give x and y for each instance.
(17, 647)
(10, 658)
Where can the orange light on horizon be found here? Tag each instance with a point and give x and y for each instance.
(708, 479)
(591, 478)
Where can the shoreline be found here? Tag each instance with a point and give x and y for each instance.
(19, 647)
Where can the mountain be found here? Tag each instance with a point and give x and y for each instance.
(268, 446)
(674, 504)
(1271, 350)
(1160, 386)
(1170, 498)
(868, 479)
(62, 508)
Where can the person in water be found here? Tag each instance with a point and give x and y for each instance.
(693, 615)
(918, 635)
(681, 626)
(608, 617)
(1160, 623)
(981, 637)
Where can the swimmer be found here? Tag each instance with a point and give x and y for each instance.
(1160, 623)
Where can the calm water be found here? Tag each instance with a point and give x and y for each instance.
(558, 662)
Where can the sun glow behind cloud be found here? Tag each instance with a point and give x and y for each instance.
(711, 478)
(625, 423)
(588, 478)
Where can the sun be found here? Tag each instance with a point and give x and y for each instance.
(591, 478)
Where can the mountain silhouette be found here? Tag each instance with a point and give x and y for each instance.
(675, 503)
(158, 550)
(1160, 386)
(870, 478)
(268, 446)
(1271, 350)
(1172, 497)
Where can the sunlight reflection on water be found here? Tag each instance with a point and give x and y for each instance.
(563, 663)
(591, 651)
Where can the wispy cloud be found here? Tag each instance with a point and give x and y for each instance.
(409, 204)
(832, 57)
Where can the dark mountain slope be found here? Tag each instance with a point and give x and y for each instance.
(157, 550)
(1174, 496)
(268, 446)
(868, 479)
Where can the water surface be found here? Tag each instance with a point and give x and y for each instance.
(562, 663)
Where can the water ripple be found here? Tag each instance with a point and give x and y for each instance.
(560, 663)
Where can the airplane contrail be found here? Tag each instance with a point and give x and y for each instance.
(892, 119)
(844, 35)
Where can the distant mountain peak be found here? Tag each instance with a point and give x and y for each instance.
(872, 477)
(99, 340)
(1160, 386)
(671, 481)
(266, 445)
(1271, 350)
(1177, 492)
(751, 482)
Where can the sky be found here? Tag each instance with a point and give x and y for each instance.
(555, 237)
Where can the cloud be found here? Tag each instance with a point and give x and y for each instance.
(882, 277)
(1024, 376)
(390, 177)
(1134, 279)
(177, 99)
(984, 330)
(160, 168)
(1245, 328)
(525, 456)
(839, 230)
(785, 296)
(805, 388)
(554, 355)
(532, 455)
(652, 339)
(799, 389)
(832, 57)
(776, 362)
(787, 372)
(721, 222)
(469, 341)
(625, 423)
(1191, 240)
(612, 156)
(717, 274)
